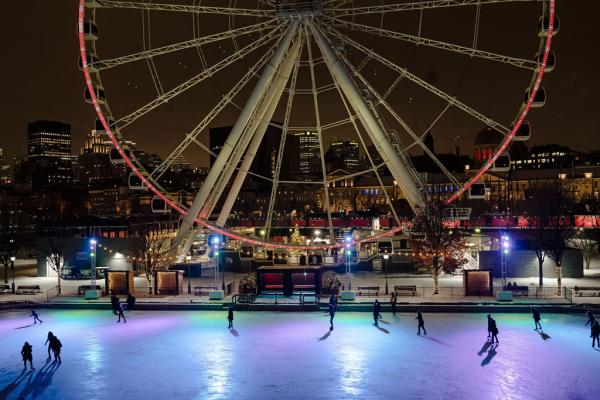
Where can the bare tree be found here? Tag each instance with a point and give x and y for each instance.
(585, 241)
(436, 246)
(550, 212)
(151, 245)
(14, 232)
(56, 248)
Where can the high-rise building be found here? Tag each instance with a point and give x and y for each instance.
(95, 144)
(309, 150)
(345, 153)
(48, 139)
(48, 155)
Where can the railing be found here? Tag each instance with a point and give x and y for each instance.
(313, 299)
(246, 298)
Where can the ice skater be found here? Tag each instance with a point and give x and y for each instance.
(333, 300)
(494, 330)
(331, 315)
(49, 343)
(421, 323)
(130, 302)
(376, 312)
(230, 317)
(56, 346)
(595, 334)
(393, 302)
(591, 319)
(120, 312)
(26, 353)
(35, 316)
(114, 302)
(536, 318)
(489, 325)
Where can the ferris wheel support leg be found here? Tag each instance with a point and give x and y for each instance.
(232, 139)
(274, 94)
(392, 160)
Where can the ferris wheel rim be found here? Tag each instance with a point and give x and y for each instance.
(269, 244)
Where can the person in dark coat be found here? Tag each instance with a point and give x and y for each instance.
(49, 343)
(591, 319)
(130, 302)
(56, 346)
(536, 318)
(595, 333)
(114, 302)
(35, 316)
(489, 325)
(26, 353)
(230, 316)
(419, 318)
(333, 300)
(376, 312)
(120, 312)
(393, 302)
(494, 330)
(331, 315)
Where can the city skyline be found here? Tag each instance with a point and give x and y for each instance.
(57, 93)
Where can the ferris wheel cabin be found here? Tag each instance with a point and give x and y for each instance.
(550, 62)
(477, 191)
(100, 128)
(523, 133)
(100, 95)
(116, 158)
(539, 100)
(159, 206)
(135, 183)
(502, 163)
(90, 30)
(544, 25)
(91, 59)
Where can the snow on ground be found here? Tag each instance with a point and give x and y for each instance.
(277, 355)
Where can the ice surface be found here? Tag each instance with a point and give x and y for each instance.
(269, 355)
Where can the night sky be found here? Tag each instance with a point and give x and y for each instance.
(42, 81)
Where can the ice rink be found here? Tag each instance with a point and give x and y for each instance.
(272, 355)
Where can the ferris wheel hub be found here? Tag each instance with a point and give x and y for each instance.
(295, 8)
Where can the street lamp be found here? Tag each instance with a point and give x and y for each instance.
(215, 243)
(93, 243)
(385, 258)
(12, 267)
(189, 260)
(504, 251)
(349, 260)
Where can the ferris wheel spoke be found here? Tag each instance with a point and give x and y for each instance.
(417, 5)
(352, 117)
(148, 54)
(421, 41)
(198, 9)
(192, 136)
(282, 141)
(429, 128)
(426, 85)
(207, 73)
(319, 132)
(400, 120)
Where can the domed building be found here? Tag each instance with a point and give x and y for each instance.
(486, 143)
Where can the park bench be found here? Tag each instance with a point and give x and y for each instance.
(28, 289)
(203, 290)
(81, 289)
(587, 291)
(368, 290)
(518, 290)
(4, 289)
(410, 290)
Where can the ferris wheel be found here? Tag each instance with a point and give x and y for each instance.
(328, 67)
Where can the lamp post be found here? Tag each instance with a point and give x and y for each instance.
(215, 243)
(505, 249)
(349, 260)
(93, 243)
(385, 258)
(12, 267)
(189, 260)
